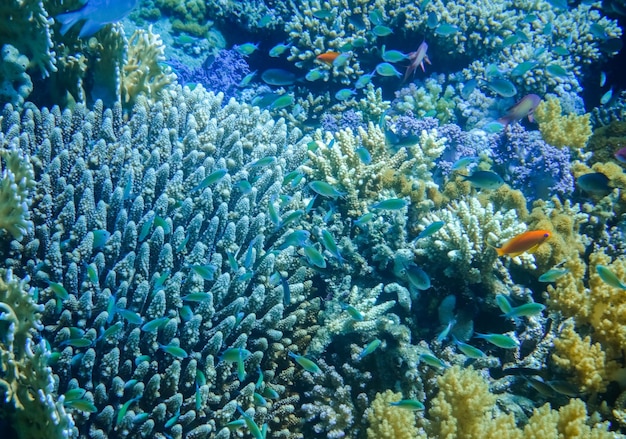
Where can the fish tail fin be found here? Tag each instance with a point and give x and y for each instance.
(497, 249)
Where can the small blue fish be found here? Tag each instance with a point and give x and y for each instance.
(390, 204)
(354, 313)
(364, 155)
(306, 364)
(432, 361)
(131, 316)
(387, 69)
(212, 178)
(331, 245)
(430, 230)
(325, 189)
(364, 219)
(344, 94)
(278, 50)
(381, 30)
(314, 257)
(262, 162)
(371, 347)
(525, 310)
(174, 350)
(499, 340)
(609, 278)
(408, 404)
(553, 274)
(246, 48)
(463, 163)
(206, 272)
(469, 350)
(484, 180)
(417, 277)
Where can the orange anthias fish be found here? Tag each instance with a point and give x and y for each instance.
(524, 242)
(327, 57)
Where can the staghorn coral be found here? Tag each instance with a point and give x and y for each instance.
(562, 130)
(125, 199)
(27, 383)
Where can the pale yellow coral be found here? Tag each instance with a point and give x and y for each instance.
(562, 130)
(389, 422)
(584, 359)
(144, 70)
(16, 180)
(602, 309)
(465, 408)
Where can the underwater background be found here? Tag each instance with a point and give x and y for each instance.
(312, 219)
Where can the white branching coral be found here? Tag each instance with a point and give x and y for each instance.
(460, 249)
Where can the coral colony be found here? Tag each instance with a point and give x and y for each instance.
(357, 219)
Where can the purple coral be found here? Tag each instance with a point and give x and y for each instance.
(220, 73)
(529, 164)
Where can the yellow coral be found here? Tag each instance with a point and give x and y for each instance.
(389, 422)
(602, 309)
(143, 70)
(584, 359)
(465, 408)
(562, 130)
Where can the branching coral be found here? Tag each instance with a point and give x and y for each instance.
(27, 384)
(562, 130)
(597, 307)
(405, 172)
(390, 422)
(143, 70)
(460, 249)
(464, 408)
(17, 179)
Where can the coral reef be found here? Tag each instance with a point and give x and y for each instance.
(390, 422)
(465, 408)
(17, 179)
(27, 386)
(562, 130)
(130, 229)
(460, 250)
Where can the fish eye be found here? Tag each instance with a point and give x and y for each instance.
(546, 235)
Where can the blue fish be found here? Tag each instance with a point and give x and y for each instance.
(97, 14)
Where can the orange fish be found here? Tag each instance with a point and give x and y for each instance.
(524, 242)
(327, 57)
